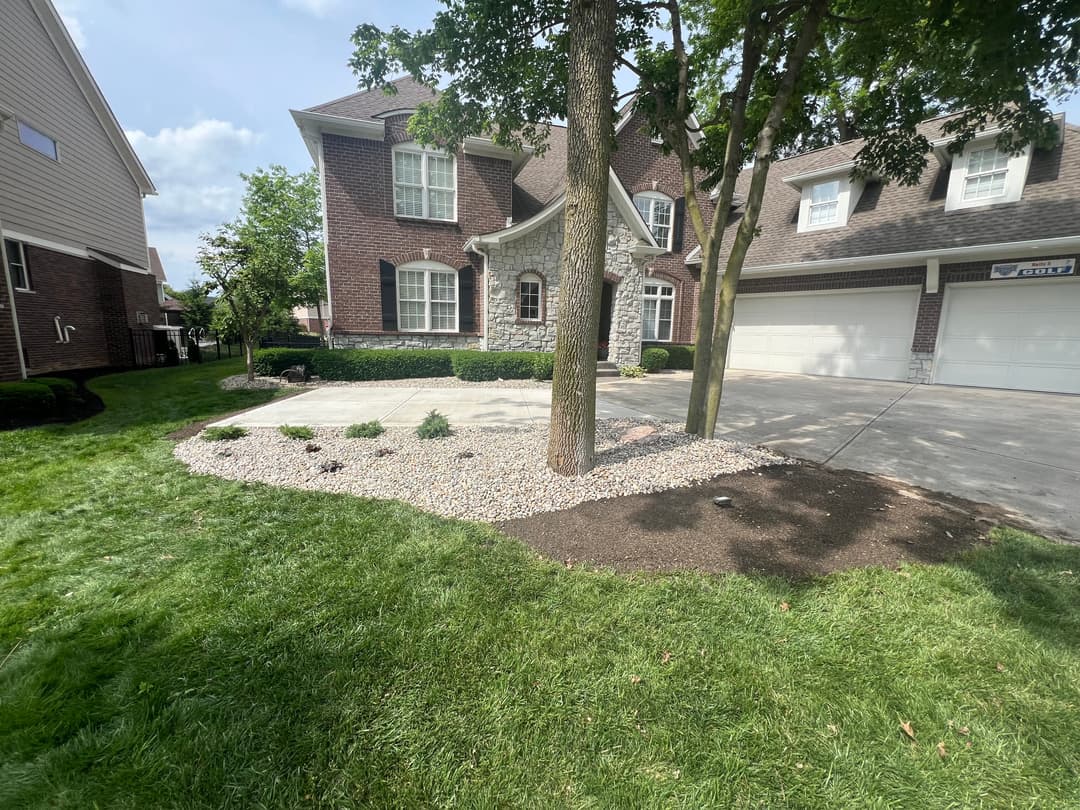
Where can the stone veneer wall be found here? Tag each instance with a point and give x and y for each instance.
(404, 340)
(538, 252)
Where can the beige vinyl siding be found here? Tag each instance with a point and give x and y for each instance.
(86, 199)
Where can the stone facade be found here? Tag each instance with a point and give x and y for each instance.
(404, 340)
(921, 368)
(538, 252)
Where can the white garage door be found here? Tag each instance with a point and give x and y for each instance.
(839, 334)
(1023, 335)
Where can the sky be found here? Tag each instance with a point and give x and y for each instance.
(203, 89)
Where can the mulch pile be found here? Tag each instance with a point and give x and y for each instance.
(794, 521)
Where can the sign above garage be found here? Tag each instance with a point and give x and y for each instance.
(1047, 267)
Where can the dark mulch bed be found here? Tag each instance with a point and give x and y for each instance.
(795, 521)
(87, 405)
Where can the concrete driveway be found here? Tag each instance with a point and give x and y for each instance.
(1018, 450)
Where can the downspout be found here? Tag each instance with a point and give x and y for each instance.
(326, 251)
(474, 246)
(11, 300)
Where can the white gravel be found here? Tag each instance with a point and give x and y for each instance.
(240, 381)
(505, 476)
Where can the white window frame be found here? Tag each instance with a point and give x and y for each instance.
(994, 170)
(427, 268)
(426, 189)
(530, 278)
(658, 297)
(21, 263)
(1016, 171)
(655, 197)
(20, 125)
(834, 202)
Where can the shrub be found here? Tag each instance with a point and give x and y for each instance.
(297, 432)
(544, 367)
(380, 364)
(271, 362)
(654, 360)
(434, 426)
(66, 391)
(680, 357)
(19, 400)
(631, 371)
(476, 366)
(224, 434)
(365, 430)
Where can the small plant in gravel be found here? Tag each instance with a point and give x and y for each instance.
(224, 434)
(300, 432)
(365, 430)
(631, 371)
(434, 426)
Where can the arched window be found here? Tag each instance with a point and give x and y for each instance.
(656, 209)
(425, 183)
(427, 297)
(530, 291)
(657, 310)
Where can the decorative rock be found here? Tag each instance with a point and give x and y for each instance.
(639, 435)
(722, 500)
(331, 466)
(311, 448)
(382, 452)
(465, 454)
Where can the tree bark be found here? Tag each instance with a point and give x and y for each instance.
(572, 438)
(710, 244)
(763, 157)
(249, 357)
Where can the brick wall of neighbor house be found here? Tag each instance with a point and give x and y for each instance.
(9, 348)
(67, 286)
(363, 228)
(642, 166)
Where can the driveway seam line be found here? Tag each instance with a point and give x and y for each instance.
(401, 404)
(862, 430)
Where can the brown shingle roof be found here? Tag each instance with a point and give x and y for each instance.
(890, 218)
(541, 180)
(369, 103)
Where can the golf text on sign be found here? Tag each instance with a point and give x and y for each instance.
(1048, 267)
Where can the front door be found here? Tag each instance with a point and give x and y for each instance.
(605, 321)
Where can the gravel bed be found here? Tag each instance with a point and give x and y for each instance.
(478, 473)
(241, 381)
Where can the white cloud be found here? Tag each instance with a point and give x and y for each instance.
(68, 11)
(196, 172)
(318, 8)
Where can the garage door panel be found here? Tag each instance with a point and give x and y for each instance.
(865, 334)
(1024, 336)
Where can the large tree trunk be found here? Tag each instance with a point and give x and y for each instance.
(591, 28)
(763, 157)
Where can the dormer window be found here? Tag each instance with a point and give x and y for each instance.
(825, 203)
(656, 209)
(425, 183)
(987, 170)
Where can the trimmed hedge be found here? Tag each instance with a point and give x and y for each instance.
(654, 360)
(19, 400)
(475, 366)
(401, 364)
(679, 357)
(66, 391)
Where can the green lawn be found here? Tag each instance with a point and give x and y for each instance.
(179, 641)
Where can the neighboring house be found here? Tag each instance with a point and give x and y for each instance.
(847, 278)
(76, 268)
(157, 270)
(932, 283)
(308, 317)
(427, 249)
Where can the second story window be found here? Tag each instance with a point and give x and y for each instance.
(16, 259)
(656, 209)
(425, 184)
(825, 203)
(37, 140)
(986, 173)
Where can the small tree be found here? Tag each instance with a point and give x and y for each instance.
(198, 309)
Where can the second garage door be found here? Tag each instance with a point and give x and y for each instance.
(839, 334)
(1023, 335)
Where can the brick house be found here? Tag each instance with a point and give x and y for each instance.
(77, 275)
(847, 278)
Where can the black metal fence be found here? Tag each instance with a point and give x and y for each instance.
(174, 346)
(289, 341)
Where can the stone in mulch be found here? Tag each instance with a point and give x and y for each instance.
(793, 521)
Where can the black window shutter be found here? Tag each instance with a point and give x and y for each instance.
(388, 285)
(677, 225)
(466, 310)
